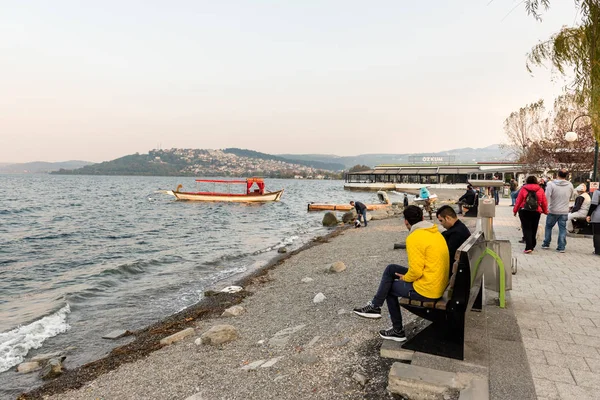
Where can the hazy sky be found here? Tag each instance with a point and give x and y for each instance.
(99, 80)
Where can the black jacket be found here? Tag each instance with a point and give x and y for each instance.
(455, 237)
(360, 207)
(468, 197)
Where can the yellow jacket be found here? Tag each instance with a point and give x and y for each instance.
(428, 260)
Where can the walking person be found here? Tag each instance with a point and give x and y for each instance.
(594, 218)
(530, 205)
(361, 210)
(580, 208)
(558, 193)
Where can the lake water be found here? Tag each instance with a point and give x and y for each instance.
(81, 256)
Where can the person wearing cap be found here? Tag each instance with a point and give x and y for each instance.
(580, 208)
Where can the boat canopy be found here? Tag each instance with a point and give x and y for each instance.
(249, 182)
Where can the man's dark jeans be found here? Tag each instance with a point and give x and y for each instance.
(390, 288)
(364, 216)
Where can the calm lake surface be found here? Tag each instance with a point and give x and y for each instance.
(81, 256)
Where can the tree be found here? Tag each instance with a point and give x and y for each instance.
(359, 168)
(577, 48)
(524, 127)
(550, 150)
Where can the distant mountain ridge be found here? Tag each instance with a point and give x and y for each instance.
(40, 167)
(199, 161)
(462, 155)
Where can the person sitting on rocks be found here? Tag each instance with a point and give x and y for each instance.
(425, 278)
(361, 210)
(456, 232)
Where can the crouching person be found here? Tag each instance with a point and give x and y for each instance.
(425, 278)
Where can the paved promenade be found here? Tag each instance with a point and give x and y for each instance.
(556, 300)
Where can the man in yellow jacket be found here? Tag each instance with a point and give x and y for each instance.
(425, 278)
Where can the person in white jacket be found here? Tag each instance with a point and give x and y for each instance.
(581, 206)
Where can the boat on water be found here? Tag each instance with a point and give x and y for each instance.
(251, 195)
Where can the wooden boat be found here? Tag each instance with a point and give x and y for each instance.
(383, 197)
(258, 195)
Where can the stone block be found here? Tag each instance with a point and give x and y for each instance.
(46, 356)
(116, 334)
(26, 367)
(419, 383)
(391, 349)
(253, 365)
(233, 311)
(178, 336)
(271, 362)
(478, 389)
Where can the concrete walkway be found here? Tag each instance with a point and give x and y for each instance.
(555, 298)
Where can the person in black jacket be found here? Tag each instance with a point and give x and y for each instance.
(467, 200)
(361, 210)
(456, 232)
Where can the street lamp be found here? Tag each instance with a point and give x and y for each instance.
(571, 136)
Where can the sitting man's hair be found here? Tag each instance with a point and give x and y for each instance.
(413, 214)
(562, 173)
(531, 179)
(446, 211)
(469, 186)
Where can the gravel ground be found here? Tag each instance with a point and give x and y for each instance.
(346, 344)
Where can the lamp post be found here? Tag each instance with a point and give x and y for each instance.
(571, 136)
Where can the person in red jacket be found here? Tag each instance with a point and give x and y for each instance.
(530, 205)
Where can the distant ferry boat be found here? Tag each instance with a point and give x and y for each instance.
(410, 178)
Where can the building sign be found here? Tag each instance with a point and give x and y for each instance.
(431, 159)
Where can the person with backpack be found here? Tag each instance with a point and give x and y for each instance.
(530, 205)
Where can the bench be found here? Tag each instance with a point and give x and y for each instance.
(446, 333)
(581, 226)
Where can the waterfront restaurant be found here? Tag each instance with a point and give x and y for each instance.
(434, 174)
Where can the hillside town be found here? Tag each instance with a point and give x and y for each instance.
(208, 162)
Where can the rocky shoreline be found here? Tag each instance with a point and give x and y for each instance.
(287, 345)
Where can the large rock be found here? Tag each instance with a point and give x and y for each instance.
(329, 219)
(233, 311)
(176, 337)
(337, 266)
(378, 214)
(349, 216)
(52, 369)
(27, 367)
(47, 356)
(219, 334)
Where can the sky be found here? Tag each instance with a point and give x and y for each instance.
(95, 81)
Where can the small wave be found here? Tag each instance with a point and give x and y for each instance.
(284, 242)
(19, 210)
(48, 237)
(15, 344)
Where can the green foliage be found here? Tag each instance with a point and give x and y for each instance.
(574, 48)
(359, 168)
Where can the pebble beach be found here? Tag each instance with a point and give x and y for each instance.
(288, 346)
